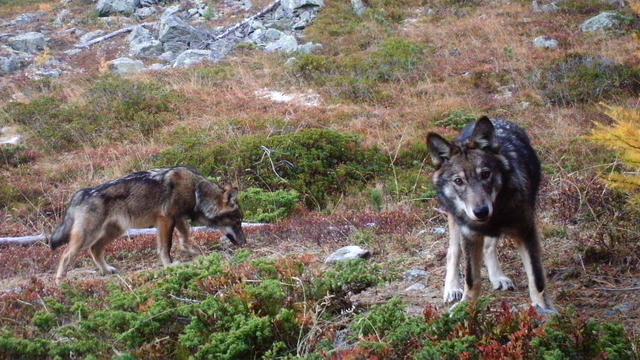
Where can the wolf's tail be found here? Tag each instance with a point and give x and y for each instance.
(61, 235)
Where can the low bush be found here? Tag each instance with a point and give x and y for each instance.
(585, 78)
(114, 109)
(15, 155)
(211, 309)
(316, 163)
(264, 206)
(485, 332)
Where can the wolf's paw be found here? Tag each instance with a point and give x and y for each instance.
(502, 283)
(546, 311)
(109, 270)
(174, 263)
(452, 295)
(190, 251)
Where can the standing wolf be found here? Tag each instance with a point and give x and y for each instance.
(488, 181)
(164, 198)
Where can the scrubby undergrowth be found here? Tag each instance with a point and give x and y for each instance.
(284, 308)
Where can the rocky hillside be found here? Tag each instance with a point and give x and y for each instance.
(318, 111)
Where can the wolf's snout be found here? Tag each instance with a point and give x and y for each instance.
(482, 213)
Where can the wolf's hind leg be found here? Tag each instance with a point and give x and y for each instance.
(185, 231)
(76, 240)
(452, 291)
(498, 279)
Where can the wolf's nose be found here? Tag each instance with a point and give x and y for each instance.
(481, 213)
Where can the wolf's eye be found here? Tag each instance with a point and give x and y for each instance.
(458, 181)
(485, 174)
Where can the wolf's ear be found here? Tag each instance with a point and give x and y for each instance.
(439, 149)
(231, 196)
(483, 136)
(206, 195)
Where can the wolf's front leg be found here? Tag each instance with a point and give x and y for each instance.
(165, 227)
(185, 246)
(531, 253)
(452, 289)
(472, 248)
(498, 279)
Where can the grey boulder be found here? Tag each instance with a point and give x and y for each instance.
(143, 44)
(290, 5)
(145, 12)
(608, 20)
(191, 58)
(112, 7)
(126, 66)
(11, 62)
(31, 42)
(348, 253)
(176, 35)
(286, 44)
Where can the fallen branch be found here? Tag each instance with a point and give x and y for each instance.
(30, 240)
(619, 289)
(233, 28)
(125, 30)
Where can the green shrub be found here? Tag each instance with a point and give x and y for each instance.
(44, 320)
(351, 276)
(15, 155)
(316, 163)
(584, 78)
(457, 120)
(114, 109)
(263, 206)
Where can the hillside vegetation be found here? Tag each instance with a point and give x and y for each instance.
(328, 147)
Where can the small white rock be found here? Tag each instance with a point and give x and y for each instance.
(347, 253)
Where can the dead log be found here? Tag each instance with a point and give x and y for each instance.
(110, 35)
(262, 12)
(33, 239)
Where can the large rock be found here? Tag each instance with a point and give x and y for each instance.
(290, 5)
(608, 20)
(145, 12)
(31, 42)
(220, 48)
(11, 61)
(27, 18)
(113, 7)
(125, 66)
(143, 44)
(348, 253)
(286, 43)
(192, 57)
(176, 35)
